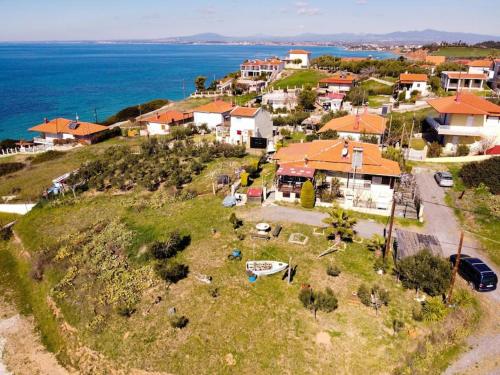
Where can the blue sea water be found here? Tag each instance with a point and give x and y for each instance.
(60, 80)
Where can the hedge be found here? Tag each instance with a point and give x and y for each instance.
(135, 110)
(6, 168)
(486, 172)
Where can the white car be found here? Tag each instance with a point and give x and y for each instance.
(444, 179)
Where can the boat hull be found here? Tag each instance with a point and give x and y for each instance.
(265, 267)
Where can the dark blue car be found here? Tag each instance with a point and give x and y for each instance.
(476, 273)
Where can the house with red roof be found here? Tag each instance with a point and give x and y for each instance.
(258, 68)
(252, 127)
(465, 119)
(213, 114)
(298, 59)
(481, 67)
(366, 179)
(357, 126)
(410, 82)
(61, 130)
(340, 82)
(161, 123)
(453, 81)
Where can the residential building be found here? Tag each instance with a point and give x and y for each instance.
(61, 130)
(340, 82)
(452, 81)
(280, 99)
(250, 123)
(496, 75)
(212, 114)
(355, 126)
(225, 85)
(331, 101)
(251, 85)
(366, 179)
(481, 67)
(161, 123)
(409, 83)
(258, 68)
(465, 119)
(298, 59)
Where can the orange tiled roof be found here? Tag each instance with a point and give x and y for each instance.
(244, 111)
(409, 77)
(365, 123)
(436, 60)
(480, 63)
(262, 62)
(215, 107)
(169, 117)
(339, 79)
(299, 52)
(465, 75)
(465, 103)
(61, 125)
(327, 155)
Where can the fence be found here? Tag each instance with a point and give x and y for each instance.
(25, 150)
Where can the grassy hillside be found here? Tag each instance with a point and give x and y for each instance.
(467, 52)
(299, 78)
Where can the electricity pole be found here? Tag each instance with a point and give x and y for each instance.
(389, 235)
(455, 267)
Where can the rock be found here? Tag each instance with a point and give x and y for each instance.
(229, 358)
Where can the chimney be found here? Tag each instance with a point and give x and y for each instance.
(157, 116)
(345, 150)
(306, 160)
(46, 120)
(357, 158)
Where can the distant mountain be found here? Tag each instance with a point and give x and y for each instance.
(423, 36)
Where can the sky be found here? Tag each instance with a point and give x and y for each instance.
(42, 20)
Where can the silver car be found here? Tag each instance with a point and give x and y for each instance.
(444, 179)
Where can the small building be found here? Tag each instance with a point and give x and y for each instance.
(269, 68)
(298, 59)
(341, 82)
(212, 114)
(464, 119)
(409, 83)
(481, 67)
(411, 243)
(331, 101)
(251, 85)
(61, 130)
(225, 85)
(161, 123)
(453, 81)
(356, 126)
(249, 125)
(280, 99)
(254, 195)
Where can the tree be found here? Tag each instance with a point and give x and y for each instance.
(172, 272)
(307, 195)
(325, 301)
(435, 83)
(199, 83)
(329, 134)
(425, 271)
(341, 224)
(244, 178)
(233, 219)
(356, 96)
(435, 150)
(170, 247)
(307, 98)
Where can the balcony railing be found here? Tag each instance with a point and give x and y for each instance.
(43, 141)
(448, 129)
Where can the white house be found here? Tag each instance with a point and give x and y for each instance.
(212, 114)
(357, 126)
(247, 123)
(340, 82)
(161, 123)
(61, 130)
(413, 82)
(298, 59)
(331, 101)
(225, 85)
(280, 99)
(482, 67)
(257, 68)
(452, 81)
(465, 119)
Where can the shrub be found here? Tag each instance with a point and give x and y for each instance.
(364, 295)
(244, 178)
(397, 325)
(172, 272)
(6, 168)
(380, 264)
(462, 150)
(46, 156)
(134, 111)
(434, 150)
(177, 321)
(433, 309)
(426, 272)
(332, 270)
(416, 313)
(382, 295)
(233, 219)
(327, 301)
(307, 195)
(341, 224)
(329, 134)
(486, 172)
(171, 246)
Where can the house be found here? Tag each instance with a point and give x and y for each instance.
(496, 75)
(298, 59)
(462, 80)
(161, 123)
(280, 99)
(331, 101)
(251, 85)
(258, 68)
(225, 85)
(341, 82)
(481, 67)
(212, 114)
(356, 126)
(465, 119)
(364, 177)
(61, 130)
(250, 126)
(409, 83)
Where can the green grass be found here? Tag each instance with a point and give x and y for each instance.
(6, 218)
(376, 101)
(467, 52)
(299, 78)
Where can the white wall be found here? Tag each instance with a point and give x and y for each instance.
(479, 70)
(419, 86)
(305, 61)
(155, 128)
(261, 125)
(20, 208)
(211, 119)
(355, 136)
(334, 87)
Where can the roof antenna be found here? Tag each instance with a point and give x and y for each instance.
(457, 97)
(77, 118)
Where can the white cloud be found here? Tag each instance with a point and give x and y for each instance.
(304, 9)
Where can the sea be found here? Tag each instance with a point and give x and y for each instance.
(95, 80)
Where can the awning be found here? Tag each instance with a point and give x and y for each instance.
(295, 171)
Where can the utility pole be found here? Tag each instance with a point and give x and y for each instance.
(455, 268)
(390, 127)
(391, 223)
(411, 132)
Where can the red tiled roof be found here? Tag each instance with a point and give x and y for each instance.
(169, 117)
(364, 123)
(299, 52)
(292, 171)
(244, 111)
(215, 107)
(262, 62)
(334, 95)
(61, 125)
(254, 192)
(465, 75)
(339, 79)
(327, 155)
(480, 63)
(410, 78)
(464, 103)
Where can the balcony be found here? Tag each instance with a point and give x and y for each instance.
(447, 129)
(43, 141)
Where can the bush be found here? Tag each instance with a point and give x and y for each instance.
(324, 301)
(416, 313)
(6, 168)
(134, 111)
(433, 309)
(462, 150)
(486, 172)
(364, 295)
(170, 247)
(332, 270)
(329, 134)
(381, 294)
(177, 321)
(434, 150)
(172, 272)
(380, 264)
(244, 178)
(307, 195)
(46, 156)
(235, 221)
(426, 272)
(397, 325)
(107, 134)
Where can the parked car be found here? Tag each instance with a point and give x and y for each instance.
(444, 179)
(476, 272)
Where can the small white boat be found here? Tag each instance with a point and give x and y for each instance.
(265, 267)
